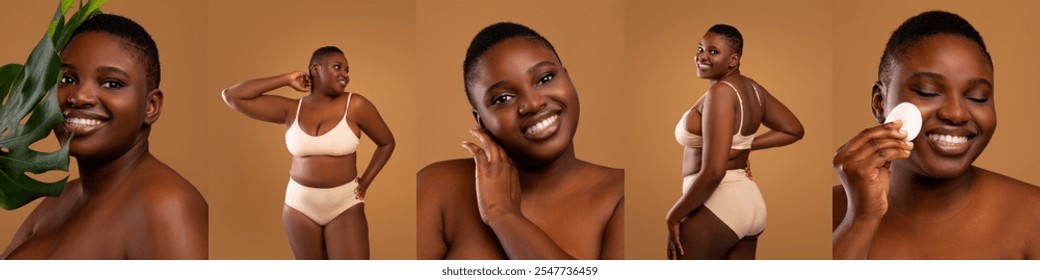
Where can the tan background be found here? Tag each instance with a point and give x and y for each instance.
(248, 161)
(587, 35)
(1011, 32)
(787, 49)
(178, 29)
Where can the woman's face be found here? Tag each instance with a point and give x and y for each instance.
(103, 94)
(951, 81)
(714, 57)
(333, 73)
(523, 96)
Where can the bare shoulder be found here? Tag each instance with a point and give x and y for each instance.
(162, 194)
(358, 100)
(1020, 196)
(445, 178)
(604, 179)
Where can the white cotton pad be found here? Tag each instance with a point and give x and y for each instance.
(911, 117)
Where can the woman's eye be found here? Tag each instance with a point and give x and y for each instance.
(335, 67)
(714, 52)
(546, 78)
(501, 98)
(111, 84)
(67, 80)
(924, 93)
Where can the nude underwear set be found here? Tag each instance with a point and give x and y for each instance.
(737, 201)
(321, 204)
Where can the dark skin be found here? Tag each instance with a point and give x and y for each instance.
(346, 236)
(531, 197)
(925, 199)
(694, 231)
(126, 203)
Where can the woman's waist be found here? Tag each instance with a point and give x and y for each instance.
(315, 175)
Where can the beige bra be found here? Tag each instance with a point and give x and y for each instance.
(339, 141)
(740, 142)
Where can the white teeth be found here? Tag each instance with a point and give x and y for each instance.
(542, 125)
(948, 139)
(83, 122)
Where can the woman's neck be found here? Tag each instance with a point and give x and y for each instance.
(551, 174)
(99, 176)
(914, 193)
(731, 72)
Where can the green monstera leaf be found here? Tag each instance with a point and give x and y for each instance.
(29, 110)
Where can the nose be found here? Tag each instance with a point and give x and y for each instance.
(531, 102)
(953, 111)
(80, 96)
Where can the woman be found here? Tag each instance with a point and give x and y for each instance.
(721, 212)
(925, 199)
(324, 212)
(126, 204)
(532, 198)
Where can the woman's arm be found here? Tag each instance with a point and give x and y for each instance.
(429, 217)
(784, 127)
(371, 123)
(498, 200)
(862, 165)
(614, 234)
(249, 99)
(719, 115)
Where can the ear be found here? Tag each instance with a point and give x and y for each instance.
(877, 102)
(734, 60)
(480, 123)
(154, 106)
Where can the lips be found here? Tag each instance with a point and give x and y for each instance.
(82, 123)
(703, 66)
(949, 143)
(543, 127)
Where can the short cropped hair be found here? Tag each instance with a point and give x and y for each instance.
(491, 36)
(134, 37)
(919, 27)
(732, 35)
(320, 54)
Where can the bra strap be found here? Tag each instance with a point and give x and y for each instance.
(759, 96)
(741, 102)
(298, 105)
(345, 110)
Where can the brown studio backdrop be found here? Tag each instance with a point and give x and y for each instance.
(1010, 30)
(177, 28)
(787, 49)
(249, 164)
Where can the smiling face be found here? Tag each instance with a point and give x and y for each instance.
(715, 57)
(522, 95)
(950, 79)
(104, 96)
(332, 73)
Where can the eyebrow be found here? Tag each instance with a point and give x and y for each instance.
(531, 70)
(938, 76)
(102, 69)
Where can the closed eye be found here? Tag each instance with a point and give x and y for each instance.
(925, 93)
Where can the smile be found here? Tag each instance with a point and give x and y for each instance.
(703, 66)
(84, 122)
(544, 128)
(948, 139)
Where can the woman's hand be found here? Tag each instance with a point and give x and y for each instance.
(675, 248)
(299, 81)
(862, 165)
(362, 187)
(498, 181)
